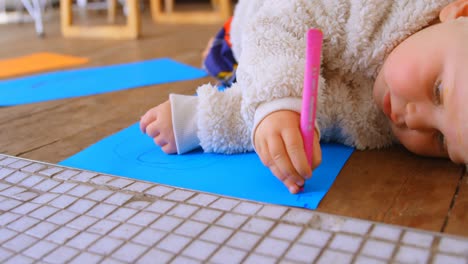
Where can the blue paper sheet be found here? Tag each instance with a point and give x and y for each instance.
(89, 81)
(132, 154)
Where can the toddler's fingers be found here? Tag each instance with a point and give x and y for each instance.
(289, 181)
(281, 159)
(143, 124)
(169, 148)
(317, 158)
(295, 149)
(146, 119)
(159, 141)
(143, 128)
(152, 130)
(263, 153)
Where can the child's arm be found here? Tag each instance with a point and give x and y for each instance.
(277, 139)
(178, 124)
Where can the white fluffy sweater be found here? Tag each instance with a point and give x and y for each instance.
(268, 40)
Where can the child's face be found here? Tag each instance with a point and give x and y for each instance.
(423, 90)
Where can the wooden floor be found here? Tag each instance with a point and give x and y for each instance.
(390, 186)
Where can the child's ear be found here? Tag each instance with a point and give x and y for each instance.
(454, 10)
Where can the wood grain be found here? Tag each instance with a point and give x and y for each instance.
(395, 187)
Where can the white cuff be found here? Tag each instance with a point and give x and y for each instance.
(288, 103)
(184, 122)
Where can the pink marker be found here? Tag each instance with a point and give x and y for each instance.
(309, 94)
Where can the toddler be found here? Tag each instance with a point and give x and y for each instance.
(392, 71)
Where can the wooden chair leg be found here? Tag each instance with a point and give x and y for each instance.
(225, 8)
(130, 30)
(169, 6)
(214, 3)
(65, 14)
(133, 17)
(222, 10)
(111, 10)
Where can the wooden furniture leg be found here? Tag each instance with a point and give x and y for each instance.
(131, 30)
(222, 10)
(111, 10)
(168, 6)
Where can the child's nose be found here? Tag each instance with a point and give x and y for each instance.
(418, 117)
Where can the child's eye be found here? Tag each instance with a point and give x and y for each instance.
(438, 93)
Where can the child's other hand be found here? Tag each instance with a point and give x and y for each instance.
(279, 144)
(157, 123)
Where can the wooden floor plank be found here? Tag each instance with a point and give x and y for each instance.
(457, 222)
(79, 129)
(395, 187)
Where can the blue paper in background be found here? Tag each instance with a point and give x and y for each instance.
(132, 154)
(89, 81)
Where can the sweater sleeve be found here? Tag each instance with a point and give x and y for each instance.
(291, 104)
(224, 132)
(220, 126)
(184, 122)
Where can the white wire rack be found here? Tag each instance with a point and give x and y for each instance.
(34, 8)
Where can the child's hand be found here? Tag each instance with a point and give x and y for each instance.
(157, 123)
(279, 144)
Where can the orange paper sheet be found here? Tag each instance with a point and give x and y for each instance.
(37, 62)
